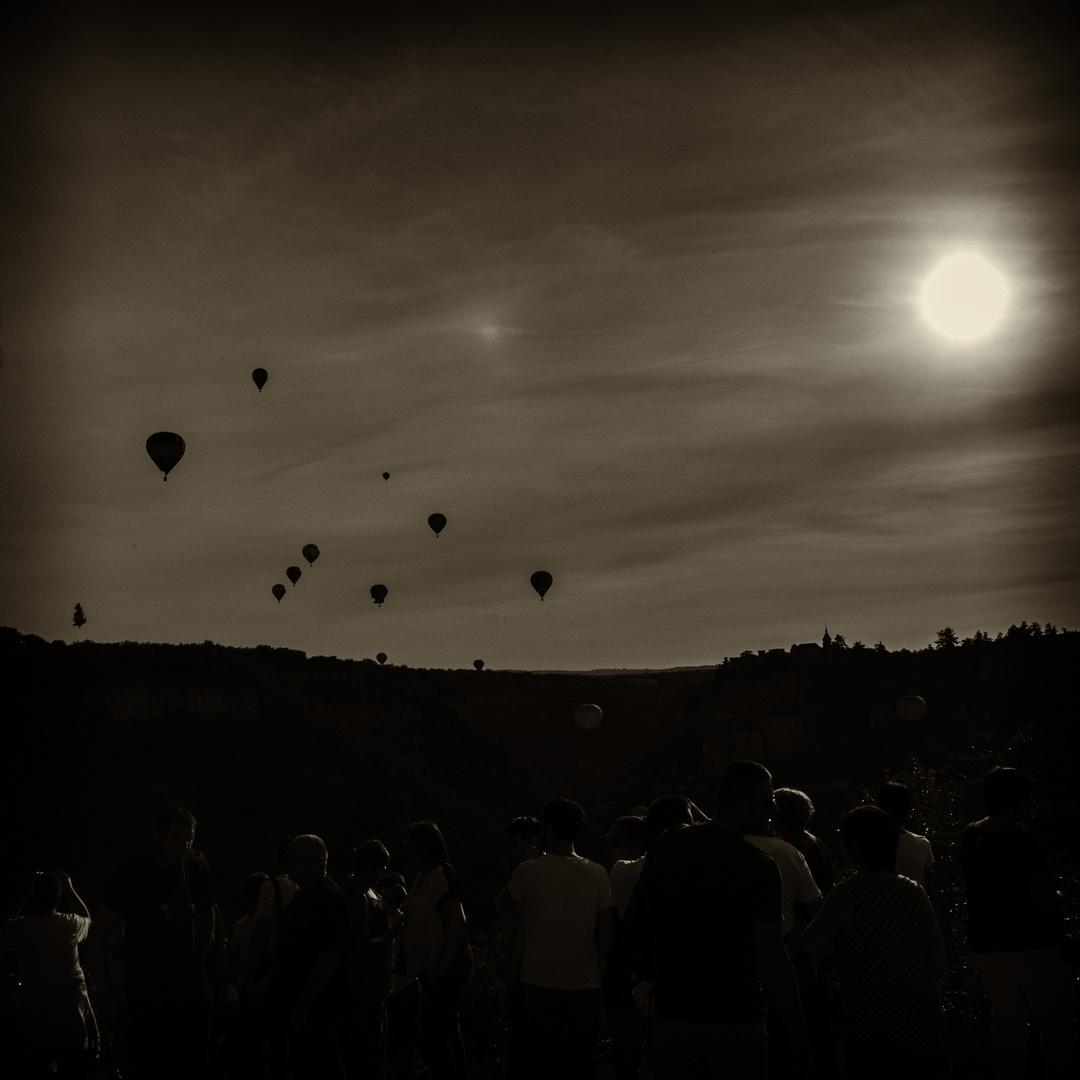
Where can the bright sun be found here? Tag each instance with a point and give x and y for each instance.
(964, 297)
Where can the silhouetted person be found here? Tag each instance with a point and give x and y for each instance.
(372, 957)
(436, 949)
(706, 923)
(794, 812)
(914, 856)
(309, 980)
(55, 1024)
(522, 842)
(569, 930)
(157, 915)
(274, 896)
(1014, 931)
(887, 952)
(668, 812)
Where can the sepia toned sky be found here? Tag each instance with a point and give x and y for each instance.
(629, 296)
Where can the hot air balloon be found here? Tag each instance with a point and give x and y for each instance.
(588, 717)
(165, 448)
(310, 552)
(478, 664)
(293, 574)
(386, 476)
(278, 591)
(80, 618)
(541, 582)
(378, 593)
(381, 657)
(260, 377)
(910, 707)
(437, 523)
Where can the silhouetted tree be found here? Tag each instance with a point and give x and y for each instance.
(946, 639)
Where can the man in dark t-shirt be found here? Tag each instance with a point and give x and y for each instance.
(310, 986)
(156, 918)
(706, 919)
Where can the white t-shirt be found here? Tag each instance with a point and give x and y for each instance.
(47, 946)
(798, 882)
(914, 857)
(563, 894)
(624, 878)
(265, 907)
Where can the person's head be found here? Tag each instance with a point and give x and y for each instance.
(561, 819)
(306, 860)
(871, 836)
(744, 797)
(1004, 788)
(793, 809)
(173, 832)
(425, 844)
(45, 893)
(895, 800)
(252, 887)
(629, 837)
(666, 812)
(522, 839)
(369, 862)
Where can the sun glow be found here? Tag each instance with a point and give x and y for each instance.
(964, 297)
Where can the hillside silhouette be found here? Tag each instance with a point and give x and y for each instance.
(262, 742)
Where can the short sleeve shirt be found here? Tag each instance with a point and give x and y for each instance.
(798, 882)
(702, 891)
(562, 896)
(46, 946)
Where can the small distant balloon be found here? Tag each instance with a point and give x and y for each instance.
(588, 717)
(378, 593)
(310, 552)
(293, 574)
(910, 708)
(80, 618)
(541, 582)
(260, 377)
(478, 664)
(381, 657)
(386, 476)
(165, 448)
(278, 591)
(437, 523)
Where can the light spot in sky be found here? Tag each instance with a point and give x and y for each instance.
(964, 297)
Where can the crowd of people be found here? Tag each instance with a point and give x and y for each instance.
(724, 944)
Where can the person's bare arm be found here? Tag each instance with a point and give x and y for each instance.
(835, 911)
(805, 913)
(781, 985)
(73, 899)
(453, 919)
(605, 932)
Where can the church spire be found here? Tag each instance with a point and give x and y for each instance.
(826, 641)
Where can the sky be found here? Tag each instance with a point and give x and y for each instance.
(631, 296)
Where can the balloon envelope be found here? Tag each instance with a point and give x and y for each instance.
(278, 591)
(386, 476)
(260, 377)
(910, 707)
(587, 717)
(381, 657)
(165, 448)
(378, 593)
(293, 574)
(310, 552)
(541, 582)
(478, 664)
(437, 523)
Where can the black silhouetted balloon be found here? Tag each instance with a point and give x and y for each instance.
(478, 664)
(310, 552)
(541, 582)
(588, 717)
(386, 476)
(278, 591)
(293, 574)
(910, 708)
(381, 657)
(437, 523)
(80, 618)
(260, 377)
(165, 448)
(378, 593)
